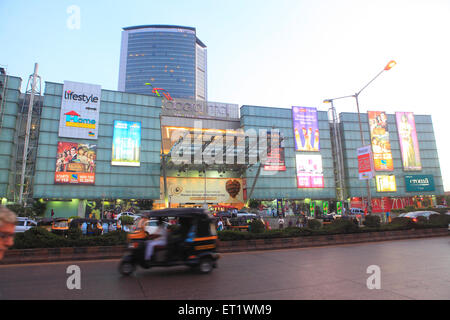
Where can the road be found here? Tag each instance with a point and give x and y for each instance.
(409, 269)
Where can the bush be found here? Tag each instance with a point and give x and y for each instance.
(372, 221)
(342, 226)
(256, 226)
(314, 224)
(402, 223)
(442, 220)
(41, 238)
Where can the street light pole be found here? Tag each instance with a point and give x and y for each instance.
(390, 64)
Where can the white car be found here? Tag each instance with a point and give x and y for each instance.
(129, 214)
(24, 224)
(151, 226)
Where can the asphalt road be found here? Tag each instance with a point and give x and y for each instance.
(409, 269)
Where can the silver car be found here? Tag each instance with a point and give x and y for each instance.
(24, 224)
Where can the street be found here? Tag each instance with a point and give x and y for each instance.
(409, 269)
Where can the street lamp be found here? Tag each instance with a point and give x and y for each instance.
(388, 66)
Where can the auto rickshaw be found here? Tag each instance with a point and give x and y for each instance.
(60, 226)
(45, 223)
(87, 226)
(191, 241)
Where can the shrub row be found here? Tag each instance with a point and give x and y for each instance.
(339, 226)
(41, 238)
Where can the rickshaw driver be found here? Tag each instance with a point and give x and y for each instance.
(159, 237)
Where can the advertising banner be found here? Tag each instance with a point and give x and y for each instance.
(192, 190)
(126, 144)
(386, 183)
(365, 163)
(275, 156)
(417, 183)
(306, 129)
(407, 137)
(379, 136)
(309, 171)
(75, 163)
(80, 108)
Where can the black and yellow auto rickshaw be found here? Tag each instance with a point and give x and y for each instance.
(60, 226)
(45, 223)
(191, 241)
(87, 226)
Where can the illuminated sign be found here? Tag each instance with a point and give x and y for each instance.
(75, 163)
(409, 145)
(379, 135)
(306, 129)
(126, 144)
(309, 171)
(417, 183)
(199, 109)
(80, 108)
(386, 183)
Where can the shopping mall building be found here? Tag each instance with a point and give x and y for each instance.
(90, 147)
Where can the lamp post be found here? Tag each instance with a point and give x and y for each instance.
(389, 66)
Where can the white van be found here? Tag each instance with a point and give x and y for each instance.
(24, 224)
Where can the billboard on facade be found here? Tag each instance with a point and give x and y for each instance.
(275, 160)
(126, 146)
(417, 183)
(379, 136)
(407, 137)
(80, 108)
(309, 171)
(192, 190)
(386, 183)
(75, 163)
(306, 129)
(365, 163)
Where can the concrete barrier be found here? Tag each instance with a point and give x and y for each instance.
(114, 252)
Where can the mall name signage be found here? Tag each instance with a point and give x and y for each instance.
(199, 109)
(415, 183)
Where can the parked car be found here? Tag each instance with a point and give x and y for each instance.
(356, 211)
(23, 224)
(415, 214)
(151, 226)
(129, 214)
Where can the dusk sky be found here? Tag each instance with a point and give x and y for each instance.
(268, 53)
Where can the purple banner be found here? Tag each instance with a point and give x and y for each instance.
(306, 129)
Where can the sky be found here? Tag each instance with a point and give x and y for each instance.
(267, 53)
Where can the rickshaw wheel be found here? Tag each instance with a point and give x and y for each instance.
(205, 265)
(126, 268)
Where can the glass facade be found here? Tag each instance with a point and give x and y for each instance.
(167, 57)
(9, 109)
(351, 140)
(111, 182)
(283, 184)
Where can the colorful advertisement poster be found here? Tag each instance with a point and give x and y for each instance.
(75, 163)
(80, 108)
(306, 129)
(379, 136)
(126, 146)
(418, 183)
(386, 183)
(275, 156)
(309, 171)
(407, 137)
(365, 163)
(196, 190)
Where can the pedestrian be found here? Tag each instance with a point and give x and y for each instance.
(388, 217)
(290, 223)
(298, 224)
(7, 228)
(220, 225)
(281, 222)
(53, 213)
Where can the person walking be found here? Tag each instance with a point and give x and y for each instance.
(281, 222)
